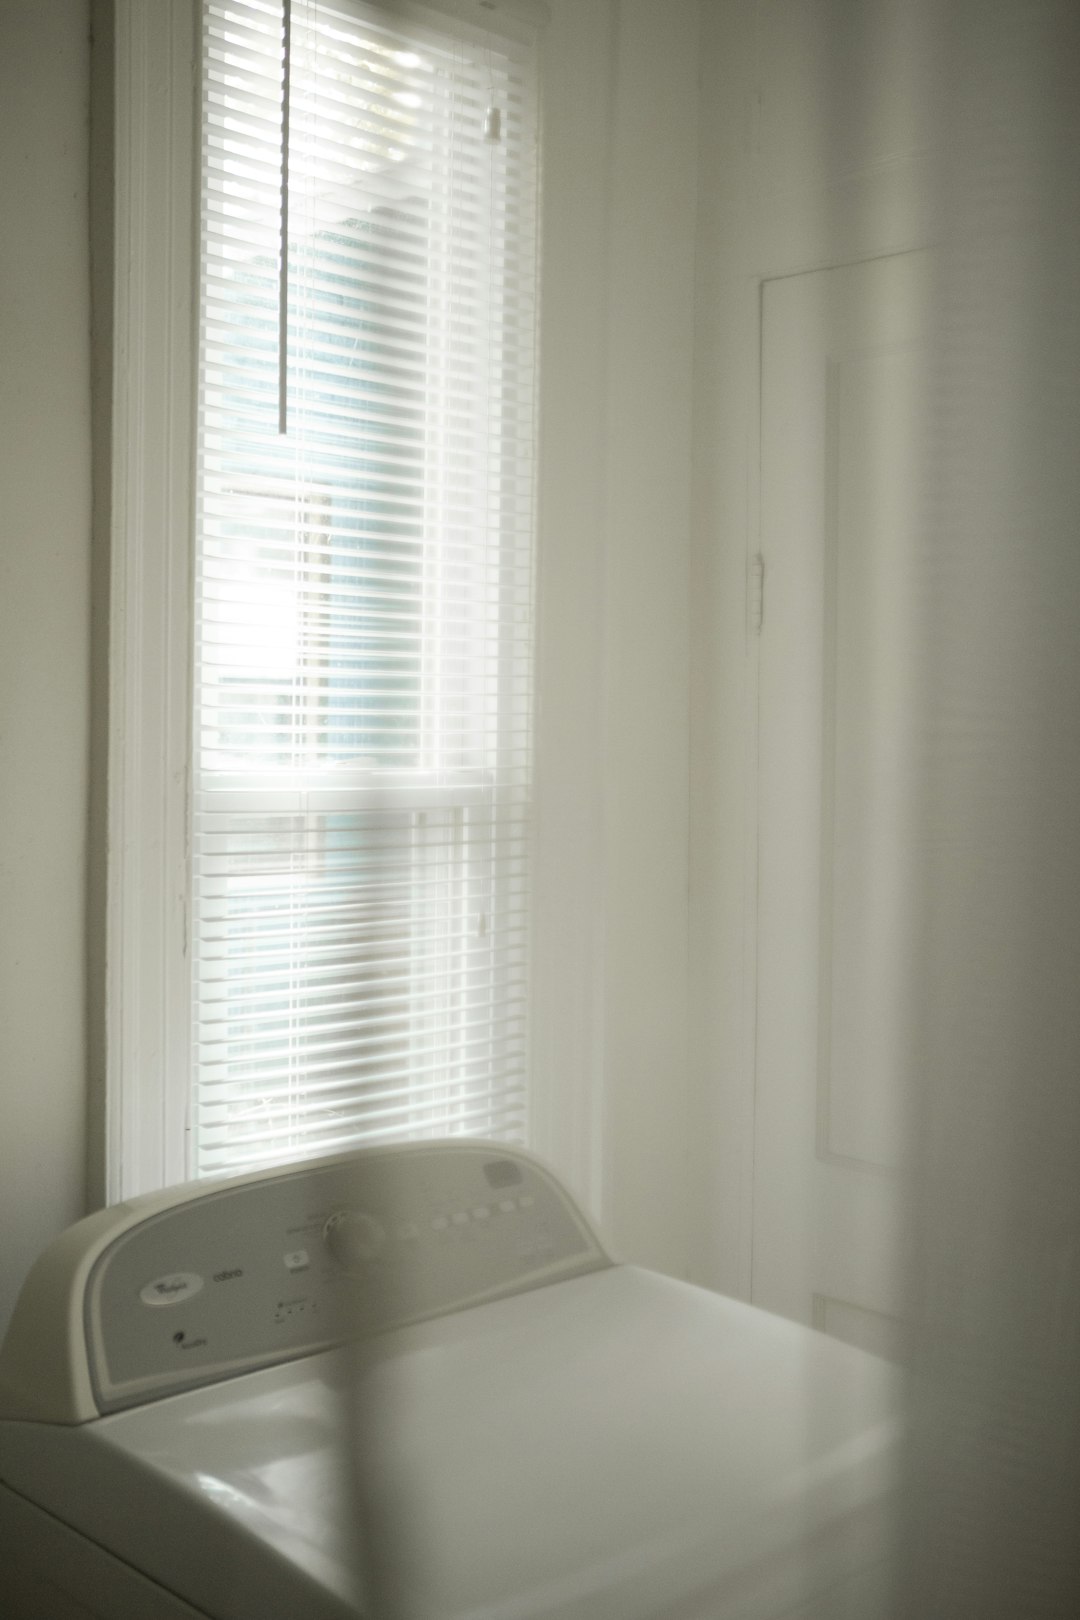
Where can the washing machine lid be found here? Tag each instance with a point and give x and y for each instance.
(626, 1445)
(619, 1444)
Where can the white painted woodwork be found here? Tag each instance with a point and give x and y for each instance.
(147, 998)
(815, 119)
(842, 353)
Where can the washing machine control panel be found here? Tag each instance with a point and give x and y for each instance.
(243, 1275)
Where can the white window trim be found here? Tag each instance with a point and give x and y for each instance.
(154, 314)
(154, 286)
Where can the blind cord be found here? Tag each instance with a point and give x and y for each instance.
(283, 273)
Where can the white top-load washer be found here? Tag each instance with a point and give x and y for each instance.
(411, 1383)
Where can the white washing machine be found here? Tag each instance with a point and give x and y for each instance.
(411, 1383)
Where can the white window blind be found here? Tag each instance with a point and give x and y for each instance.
(363, 591)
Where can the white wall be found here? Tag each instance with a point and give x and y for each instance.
(44, 622)
(620, 141)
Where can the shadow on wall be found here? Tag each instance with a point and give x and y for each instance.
(995, 1460)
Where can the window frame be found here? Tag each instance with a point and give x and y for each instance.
(147, 1025)
(155, 287)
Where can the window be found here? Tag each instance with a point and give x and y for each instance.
(354, 960)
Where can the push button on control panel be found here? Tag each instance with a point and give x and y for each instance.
(171, 1289)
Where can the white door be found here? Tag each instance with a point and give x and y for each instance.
(841, 366)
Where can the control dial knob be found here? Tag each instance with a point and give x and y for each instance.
(353, 1238)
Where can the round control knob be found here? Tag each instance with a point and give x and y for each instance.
(353, 1238)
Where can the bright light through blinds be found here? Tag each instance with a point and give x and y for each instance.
(363, 585)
